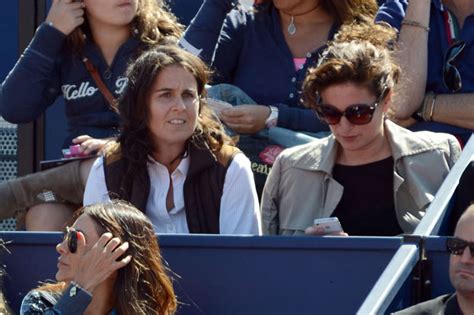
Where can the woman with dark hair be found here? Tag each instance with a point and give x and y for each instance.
(375, 176)
(172, 159)
(109, 262)
(80, 52)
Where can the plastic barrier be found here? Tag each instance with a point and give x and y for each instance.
(235, 275)
(392, 289)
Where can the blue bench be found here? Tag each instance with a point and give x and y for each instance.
(235, 275)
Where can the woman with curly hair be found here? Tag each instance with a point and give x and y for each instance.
(109, 263)
(80, 52)
(172, 159)
(375, 176)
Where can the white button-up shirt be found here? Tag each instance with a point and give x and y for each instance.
(239, 211)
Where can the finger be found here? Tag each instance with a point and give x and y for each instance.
(77, 5)
(77, 13)
(232, 112)
(81, 139)
(112, 244)
(122, 263)
(119, 251)
(314, 230)
(104, 239)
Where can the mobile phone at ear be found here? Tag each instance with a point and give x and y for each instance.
(328, 225)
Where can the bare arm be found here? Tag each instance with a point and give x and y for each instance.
(455, 109)
(452, 109)
(413, 59)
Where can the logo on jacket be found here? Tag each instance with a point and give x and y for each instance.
(85, 89)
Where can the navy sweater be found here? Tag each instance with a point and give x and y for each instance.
(248, 50)
(46, 70)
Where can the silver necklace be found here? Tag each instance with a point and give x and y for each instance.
(292, 27)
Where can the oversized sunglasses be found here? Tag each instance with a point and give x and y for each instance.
(70, 236)
(451, 76)
(357, 114)
(456, 246)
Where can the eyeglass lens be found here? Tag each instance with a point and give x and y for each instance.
(359, 114)
(71, 239)
(456, 246)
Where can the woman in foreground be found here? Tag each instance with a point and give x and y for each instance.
(109, 263)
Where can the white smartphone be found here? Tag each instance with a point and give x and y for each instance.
(329, 225)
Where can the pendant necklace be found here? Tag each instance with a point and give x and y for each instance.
(292, 27)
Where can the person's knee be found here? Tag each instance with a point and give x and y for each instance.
(84, 170)
(49, 217)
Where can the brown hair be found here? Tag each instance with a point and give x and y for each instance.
(152, 24)
(135, 139)
(143, 285)
(359, 54)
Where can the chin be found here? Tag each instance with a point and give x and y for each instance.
(62, 277)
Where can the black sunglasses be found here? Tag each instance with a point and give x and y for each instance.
(357, 114)
(70, 236)
(456, 246)
(451, 76)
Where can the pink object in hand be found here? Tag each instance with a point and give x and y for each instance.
(75, 150)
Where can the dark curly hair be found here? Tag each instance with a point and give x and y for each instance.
(360, 54)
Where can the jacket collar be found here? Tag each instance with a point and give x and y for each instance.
(320, 155)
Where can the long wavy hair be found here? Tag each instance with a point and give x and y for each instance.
(143, 285)
(360, 54)
(152, 24)
(135, 139)
(346, 11)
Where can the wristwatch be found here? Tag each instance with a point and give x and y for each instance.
(272, 118)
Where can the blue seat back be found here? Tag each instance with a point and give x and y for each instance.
(235, 275)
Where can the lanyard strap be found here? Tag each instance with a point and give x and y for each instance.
(451, 26)
(113, 104)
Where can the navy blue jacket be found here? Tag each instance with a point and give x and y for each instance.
(248, 49)
(46, 70)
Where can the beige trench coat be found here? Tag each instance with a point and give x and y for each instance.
(300, 186)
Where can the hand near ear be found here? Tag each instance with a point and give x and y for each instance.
(66, 15)
(98, 263)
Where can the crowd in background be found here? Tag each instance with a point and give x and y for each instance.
(252, 120)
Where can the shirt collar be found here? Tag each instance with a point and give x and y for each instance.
(183, 165)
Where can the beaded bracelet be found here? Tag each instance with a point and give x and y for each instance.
(415, 24)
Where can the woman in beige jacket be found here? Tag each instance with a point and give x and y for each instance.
(375, 176)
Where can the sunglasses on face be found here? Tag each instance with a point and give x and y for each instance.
(451, 76)
(71, 239)
(357, 114)
(456, 246)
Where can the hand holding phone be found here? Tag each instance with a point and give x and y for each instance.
(326, 226)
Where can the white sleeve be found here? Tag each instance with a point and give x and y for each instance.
(96, 189)
(239, 203)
